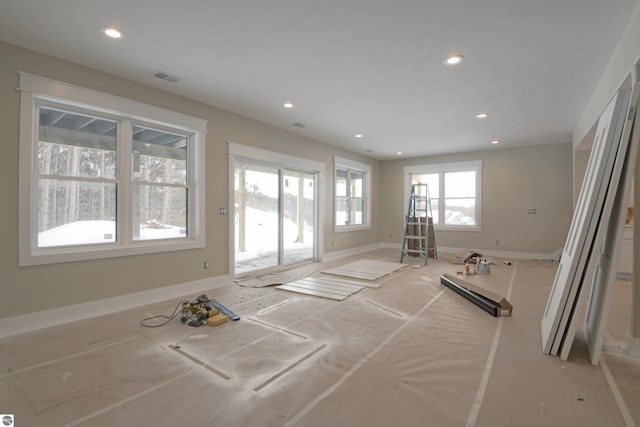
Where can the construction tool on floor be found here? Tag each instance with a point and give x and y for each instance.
(223, 309)
(206, 311)
(493, 304)
(151, 322)
(419, 235)
(203, 311)
(196, 313)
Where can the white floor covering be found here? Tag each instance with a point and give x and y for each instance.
(324, 287)
(407, 353)
(366, 269)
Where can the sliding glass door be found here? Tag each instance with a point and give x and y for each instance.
(297, 216)
(274, 215)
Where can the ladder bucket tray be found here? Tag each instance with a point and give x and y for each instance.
(493, 304)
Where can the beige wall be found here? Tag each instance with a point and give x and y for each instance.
(513, 180)
(626, 53)
(30, 289)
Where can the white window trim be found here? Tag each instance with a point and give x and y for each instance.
(353, 165)
(448, 167)
(235, 150)
(34, 88)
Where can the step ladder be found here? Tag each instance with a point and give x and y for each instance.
(419, 235)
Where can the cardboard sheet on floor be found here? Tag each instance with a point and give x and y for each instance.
(492, 303)
(366, 269)
(324, 287)
(461, 257)
(278, 278)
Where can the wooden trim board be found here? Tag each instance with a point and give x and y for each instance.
(333, 279)
(366, 269)
(312, 292)
(346, 281)
(325, 287)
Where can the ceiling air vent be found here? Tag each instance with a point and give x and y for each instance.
(299, 125)
(166, 77)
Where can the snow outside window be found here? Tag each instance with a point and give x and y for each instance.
(103, 176)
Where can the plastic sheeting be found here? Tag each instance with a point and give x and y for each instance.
(409, 353)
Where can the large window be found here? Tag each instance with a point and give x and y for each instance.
(104, 176)
(454, 190)
(352, 191)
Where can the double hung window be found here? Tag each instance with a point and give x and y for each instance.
(352, 195)
(103, 176)
(454, 191)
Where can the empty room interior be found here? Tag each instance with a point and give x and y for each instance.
(310, 213)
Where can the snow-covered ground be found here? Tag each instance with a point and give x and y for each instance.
(92, 232)
(261, 232)
(261, 236)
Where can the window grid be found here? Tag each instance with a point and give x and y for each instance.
(349, 197)
(77, 183)
(352, 200)
(455, 193)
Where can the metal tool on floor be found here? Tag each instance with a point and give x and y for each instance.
(203, 311)
(493, 304)
(196, 313)
(206, 311)
(224, 309)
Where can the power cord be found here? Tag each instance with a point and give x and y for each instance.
(163, 316)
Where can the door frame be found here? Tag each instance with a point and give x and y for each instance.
(277, 160)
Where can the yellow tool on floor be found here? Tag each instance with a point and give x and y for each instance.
(217, 319)
(200, 313)
(203, 311)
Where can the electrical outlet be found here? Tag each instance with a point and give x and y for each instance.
(206, 265)
(497, 242)
(390, 236)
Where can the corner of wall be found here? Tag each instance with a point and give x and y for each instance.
(625, 55)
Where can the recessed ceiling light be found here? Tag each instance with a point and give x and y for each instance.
(482, 115)
(112, 32)
(399, 153)
(454, 60)
(287, 105)
(495, 141)
(358, 135)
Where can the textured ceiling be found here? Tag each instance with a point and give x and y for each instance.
(361, 66)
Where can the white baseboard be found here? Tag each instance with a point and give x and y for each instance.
(57, 316)
(397, 246)
(332, 256)
(553, 256)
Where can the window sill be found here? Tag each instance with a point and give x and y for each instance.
(349, 228)
(457, 228)
(84, 253)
